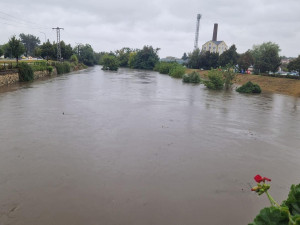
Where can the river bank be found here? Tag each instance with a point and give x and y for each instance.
(10, 77)
(268, 84)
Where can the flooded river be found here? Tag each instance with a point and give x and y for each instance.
(141, 148)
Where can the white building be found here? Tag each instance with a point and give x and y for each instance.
(215, 46)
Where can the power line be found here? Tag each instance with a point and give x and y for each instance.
(23, 26)
(22, 21)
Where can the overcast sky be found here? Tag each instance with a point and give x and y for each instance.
(167, 24)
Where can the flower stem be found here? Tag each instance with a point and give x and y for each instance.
(273, 202)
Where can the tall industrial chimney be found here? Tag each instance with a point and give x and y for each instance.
(215, 34)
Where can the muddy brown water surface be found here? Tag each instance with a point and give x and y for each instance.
(140, 148)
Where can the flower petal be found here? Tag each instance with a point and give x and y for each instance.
(258, 178)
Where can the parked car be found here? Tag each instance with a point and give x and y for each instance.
(293, 73)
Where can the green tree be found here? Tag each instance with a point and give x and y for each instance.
(7, 51)
(209, 60)
(47, 50)
(123, 56)
(30, 42)
(132, 59)
(110, 62)
(245, 60)
(16, 47)
(66, 50)
(266, 57)
(86, 55)
(37, 52)
(294, 64)
(184, 57)
(146, 58)
(195, 59)
(1, 51)
(229, 57)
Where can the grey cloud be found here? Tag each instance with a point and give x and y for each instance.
(168, 24)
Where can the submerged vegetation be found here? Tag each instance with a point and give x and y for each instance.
(215, 79)
(193, 77)
(249, 87)
(110, 62)
(173, 69)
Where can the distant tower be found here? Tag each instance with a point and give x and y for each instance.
(58, 42)
(197, 31)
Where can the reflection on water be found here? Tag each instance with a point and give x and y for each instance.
(137, 147)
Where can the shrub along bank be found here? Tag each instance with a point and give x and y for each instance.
(249, 87)
(172, 68)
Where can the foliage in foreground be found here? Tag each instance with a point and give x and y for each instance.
(191, 78)
(25, 72)
(288, 213)
(216, 81)
(249, 87)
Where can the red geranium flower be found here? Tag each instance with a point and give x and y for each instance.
(266, 179)
(259, 178)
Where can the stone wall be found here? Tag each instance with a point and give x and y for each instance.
(13, 76)
(10, 78)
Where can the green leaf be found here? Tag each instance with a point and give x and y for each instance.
(293, 201)
(271, 216)
(296, 219)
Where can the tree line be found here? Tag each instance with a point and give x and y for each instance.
(145, 58)
(264, 58)
(30, 45)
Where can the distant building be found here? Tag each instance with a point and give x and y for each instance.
(214, 45)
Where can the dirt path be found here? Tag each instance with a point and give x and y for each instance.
(268, 84)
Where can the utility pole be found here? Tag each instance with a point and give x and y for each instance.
(58, 42)
(197, 31)
(78, 46)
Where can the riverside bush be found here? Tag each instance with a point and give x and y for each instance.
(74, 59)
(25, 72)
(177, 71)
(110, 62)
(63, 67)
(39, 66)
(216, 81)
(49, 69)
(164, 67)
(67, 67)
(249, 87)
(191, 78)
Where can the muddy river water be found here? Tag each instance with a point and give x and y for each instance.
(140, 148)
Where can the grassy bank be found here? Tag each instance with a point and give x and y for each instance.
(267, 84)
